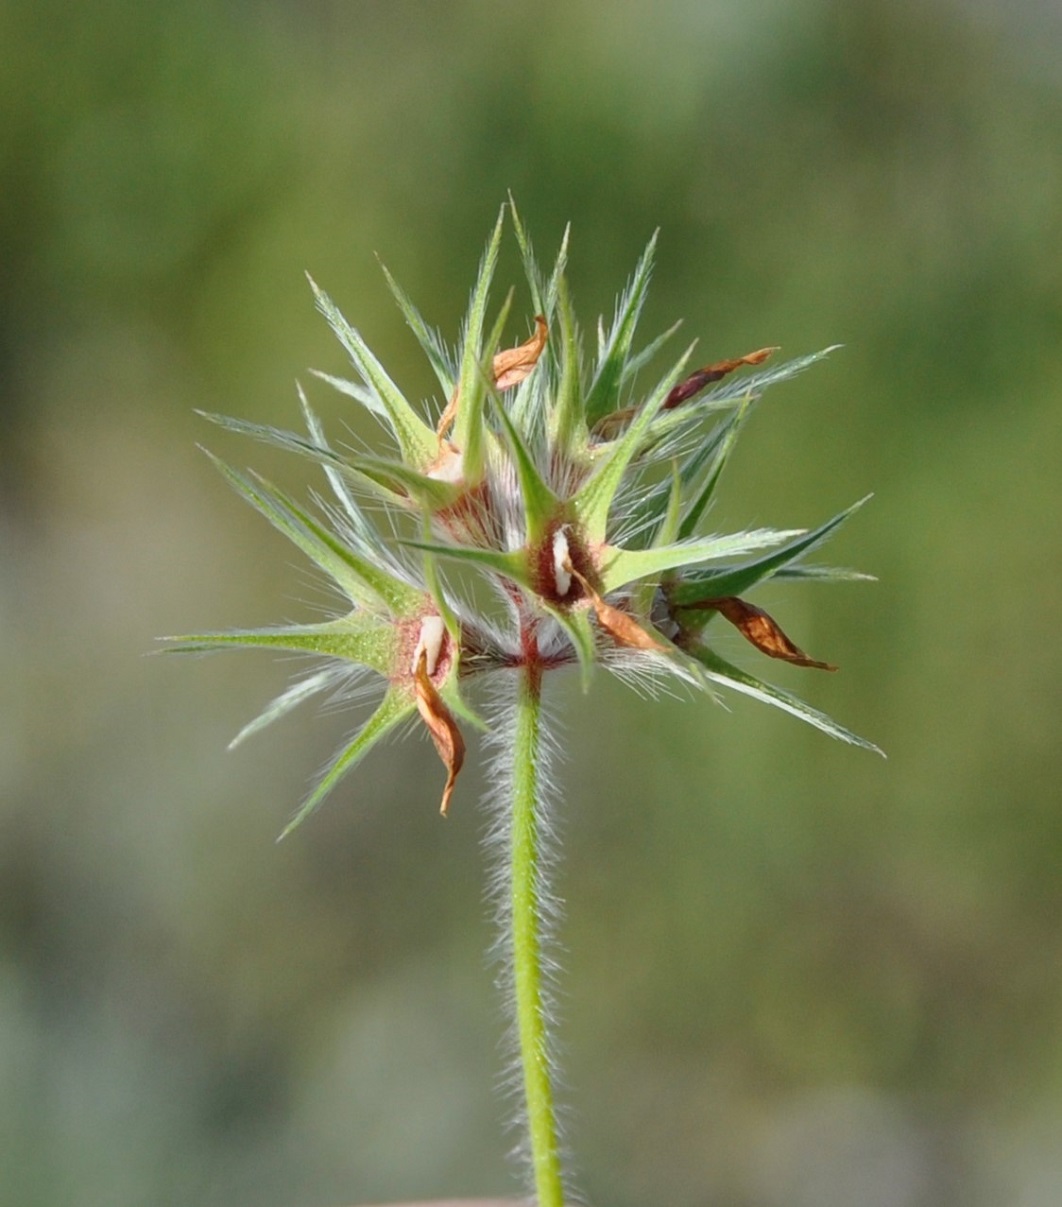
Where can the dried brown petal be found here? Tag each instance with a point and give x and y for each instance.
(756, 626)
(508, 369)
(620, 625)
(514, 364)
(442, 727)
(623, 628)
(448, 415)
(704, 377)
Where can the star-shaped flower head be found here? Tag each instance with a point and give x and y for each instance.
(577, 497)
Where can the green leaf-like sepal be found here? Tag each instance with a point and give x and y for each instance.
(566, 421)
(458, 705)
(512, 564)
(433, 494)
(394, 708)
(735, 580)
(290, 442)
(720, 671)
(594, 500)
(352, 389)
(416, 440)
(338, 478)
(636, 363)
(714, 454)
(622, 566)
(544, 293)
(360, 638)
(824, 574)
(291, 697)
(362, 580)
(576, 623)
(541, 505)
(603, 395)
(430, 341)
(472, 385)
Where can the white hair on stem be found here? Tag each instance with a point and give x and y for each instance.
(501, 744)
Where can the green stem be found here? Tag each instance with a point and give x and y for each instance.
(526, 918)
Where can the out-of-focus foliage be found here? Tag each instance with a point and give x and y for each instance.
(795, 974)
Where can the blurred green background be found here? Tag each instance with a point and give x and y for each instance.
(795, 974)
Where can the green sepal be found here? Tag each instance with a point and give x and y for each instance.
(513, 564)
(394, 708)
(458, 705)
(535, 399)
(435, 589)
(646, 514)
(469, 425)
(532, 273)
(717, 450)
(576, 623)
(720, 671)
(430, 340)
(290, 442)
(291, 697)
(825, 574)
(665, 528)
(668, 532)
(366, 471)
(638, 362)
(416, 440)
(621, 566)
(486, 377)
(337, 475)
(650, 511)
(556, 280)
(734, 580)
(541, 505)
(359, 637)
(543, 293)
(353, 389)
(594, 500)
(603, 395)
(434, 494)
(567, 423)
(674, 424)
(494, 339)
(360, 579)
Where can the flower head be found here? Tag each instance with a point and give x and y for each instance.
(577, 497)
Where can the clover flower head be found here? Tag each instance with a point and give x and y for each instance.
(577, 496)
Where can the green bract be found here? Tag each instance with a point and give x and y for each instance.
(578, 497)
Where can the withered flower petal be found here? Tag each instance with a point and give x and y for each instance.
(508, 369)
(448, 416)
(514, 364)
(620, 626)
(756, 626)
(442, 727)
(697, 380)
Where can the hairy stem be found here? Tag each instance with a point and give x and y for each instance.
(527, 915)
